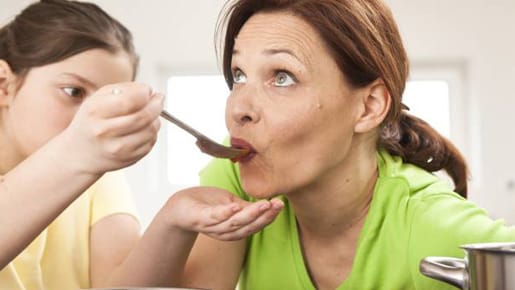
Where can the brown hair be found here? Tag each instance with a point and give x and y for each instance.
(49, 31)
(366, 44)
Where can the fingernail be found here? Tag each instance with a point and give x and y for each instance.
(160, 97)
(235, 207)
(116, 91)
(264, 206)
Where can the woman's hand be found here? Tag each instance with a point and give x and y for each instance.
(113, 128)
(219, 213)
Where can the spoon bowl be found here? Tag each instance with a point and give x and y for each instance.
(205, 144)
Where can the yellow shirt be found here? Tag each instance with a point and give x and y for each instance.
(58, 259)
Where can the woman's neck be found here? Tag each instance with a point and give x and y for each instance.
(339, 201)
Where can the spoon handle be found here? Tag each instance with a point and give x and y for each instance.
(181, 124)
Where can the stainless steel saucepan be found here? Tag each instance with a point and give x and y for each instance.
(487, 266)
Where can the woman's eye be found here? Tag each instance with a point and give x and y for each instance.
(238, 77)
(74, 92)
(284, 79)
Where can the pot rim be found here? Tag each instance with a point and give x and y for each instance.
(498, 247)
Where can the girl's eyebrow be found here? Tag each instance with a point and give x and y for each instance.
(81, 79)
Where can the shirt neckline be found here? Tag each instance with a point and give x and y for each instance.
(298, 257)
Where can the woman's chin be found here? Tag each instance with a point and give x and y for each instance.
(257, 191)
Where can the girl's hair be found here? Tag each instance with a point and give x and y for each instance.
(52, 30)
(365, 42)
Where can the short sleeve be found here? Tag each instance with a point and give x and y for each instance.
(442, 223)
(111, 194)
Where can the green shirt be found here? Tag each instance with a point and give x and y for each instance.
(413, 214)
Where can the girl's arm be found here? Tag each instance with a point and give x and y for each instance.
(33, 194)
(108, 132)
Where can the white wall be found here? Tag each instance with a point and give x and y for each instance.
(478, 35)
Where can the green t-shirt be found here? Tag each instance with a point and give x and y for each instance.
(413, 214)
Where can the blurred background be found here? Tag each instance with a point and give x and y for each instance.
(462, 73)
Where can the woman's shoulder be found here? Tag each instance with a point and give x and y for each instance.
(427, 207)
(425, 198)
(415, 181)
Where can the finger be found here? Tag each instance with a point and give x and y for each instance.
(135, 155)
(146, 146)
(139, 120)
(258, 224)
(265, 217)
(221, 213)
(245, 216)
(121, 99)
(128, 146)
(277, 204)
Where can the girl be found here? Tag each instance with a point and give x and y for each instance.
(69, 113)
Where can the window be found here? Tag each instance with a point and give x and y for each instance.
(435, 93)
(429, 100)
(199, 101)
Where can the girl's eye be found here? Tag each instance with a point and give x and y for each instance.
(74, 92)
(284, 79)
(238, 77)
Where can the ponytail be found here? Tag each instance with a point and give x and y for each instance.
(416, 142)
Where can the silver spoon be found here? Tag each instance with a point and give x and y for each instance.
(205, 144)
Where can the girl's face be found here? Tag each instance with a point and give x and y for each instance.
(45, 103)
(290, 103)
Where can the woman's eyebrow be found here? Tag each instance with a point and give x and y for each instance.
(276, 51)
(300, 59)
(272, 51)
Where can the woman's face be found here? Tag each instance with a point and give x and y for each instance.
(290, 103)
(50, 95)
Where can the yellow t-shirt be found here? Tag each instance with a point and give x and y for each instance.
(58, 259)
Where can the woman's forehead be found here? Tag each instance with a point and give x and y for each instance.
(280, 31)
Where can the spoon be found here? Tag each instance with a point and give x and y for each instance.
(205, 144)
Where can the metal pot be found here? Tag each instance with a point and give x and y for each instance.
(488, 266)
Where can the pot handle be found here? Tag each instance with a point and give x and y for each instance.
(450, 270)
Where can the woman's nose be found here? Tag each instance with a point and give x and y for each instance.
(242, 109)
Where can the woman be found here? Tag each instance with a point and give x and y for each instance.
(69, 112)
(316, 90)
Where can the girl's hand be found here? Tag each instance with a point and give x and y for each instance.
(113, 128)
(219, 214)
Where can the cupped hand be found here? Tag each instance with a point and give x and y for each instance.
(114, 127)
(219, 213)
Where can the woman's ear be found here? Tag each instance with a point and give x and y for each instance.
(376, 104)
(6, 82)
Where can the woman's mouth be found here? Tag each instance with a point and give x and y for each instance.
(242, 144)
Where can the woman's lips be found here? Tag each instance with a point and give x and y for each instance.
(240, 143)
